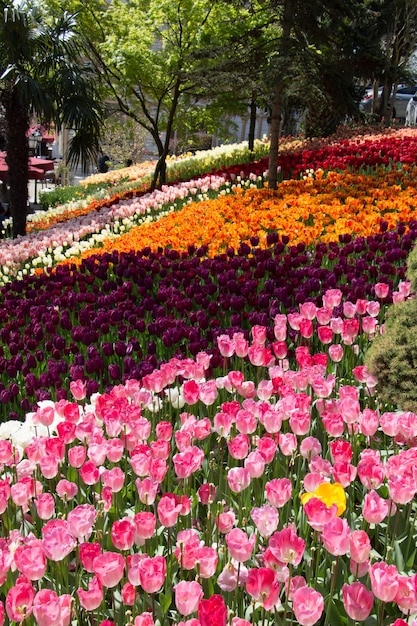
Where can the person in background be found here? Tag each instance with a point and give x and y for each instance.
(4, 194)
(103, 163)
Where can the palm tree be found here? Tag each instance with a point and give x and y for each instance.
(42, 74)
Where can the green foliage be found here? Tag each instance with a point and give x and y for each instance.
(392, 357)
(122, 139)
(412, 269)
(65, 194)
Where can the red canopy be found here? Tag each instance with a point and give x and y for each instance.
(42, 164)
(37, 167)
(3, 171)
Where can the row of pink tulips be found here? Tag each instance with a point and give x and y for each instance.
(278, 490)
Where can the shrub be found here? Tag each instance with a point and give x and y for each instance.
(392, 357)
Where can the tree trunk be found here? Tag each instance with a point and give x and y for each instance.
(161, 166)
(17, 125)
(252, 125)
(275, 131)
(284, 47)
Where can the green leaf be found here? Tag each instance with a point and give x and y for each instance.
(338, 615)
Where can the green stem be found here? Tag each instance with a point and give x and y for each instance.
(332, 586)
(287, 593)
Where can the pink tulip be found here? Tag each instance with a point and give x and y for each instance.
(226, 346)
(259, 334)
(206, 561)
(164, 430)
(113, 478)
(81, 521)
(78, 389)
(49, 466)
(309, 447)
(91, 599)
(20, 493)
(152, 571)
(50, 609)
(325, 334)
(239, 446)
(336, 352)
(246, 422)
(88, 552)
(335, 536)
(77, 456)
(241, 344)
(371, 472)
(263, 585)
(381, 290)
(133, 573)
(287, 443)
(333, 423)
(145, 524)
(225, 521)
(255, 464)
(212, 611)
(344, 473)
(31, 561)
(208, 392)
(66, 490)
(19, 601)
(370, 323)
(232, 575)
(89, 473)
(375, 509)
(144, 619)
(266, 519)
(240, 545)
(191, 391)
(267, 447)
(357, 600)
(308, 605)
(58, 541)
(147, 490)
(123, 533)
(238, 479)
(278, 491)
(238, 621)
(4, 495)
(318, 514)
(402, 488)
(384, 581)
(296, 582)
(286, 546)
(206, 493)
(259, 355)
(358, 570)
(360, 546)
(169, 508)
(188, 461)
(187, 596)
(222, 423)
(45, 505)
(109, 568)
(406, 596)
(129, 594)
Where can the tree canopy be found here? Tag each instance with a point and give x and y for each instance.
(42, 74)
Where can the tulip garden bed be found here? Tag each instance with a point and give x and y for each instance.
(189, 433)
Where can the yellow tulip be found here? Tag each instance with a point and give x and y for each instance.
(329, 493)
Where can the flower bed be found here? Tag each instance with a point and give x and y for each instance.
(203, 444)
(321, 207)
(278, 490)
